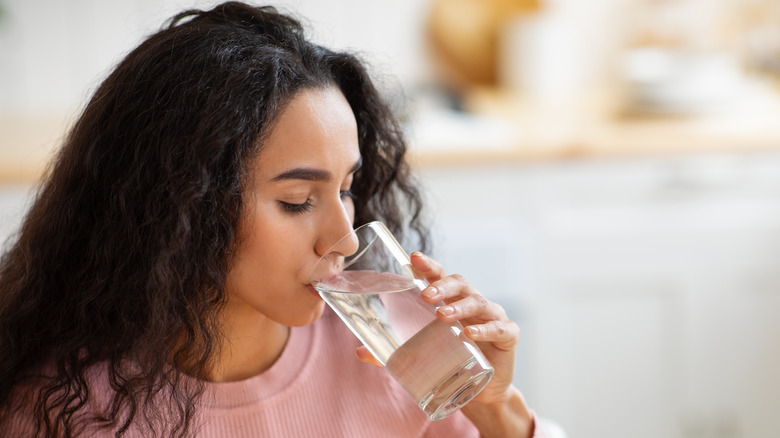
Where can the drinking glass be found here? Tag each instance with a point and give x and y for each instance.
(375, 291)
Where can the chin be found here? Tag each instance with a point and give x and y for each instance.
(309, 318)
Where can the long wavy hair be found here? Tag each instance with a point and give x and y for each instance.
(121, 262)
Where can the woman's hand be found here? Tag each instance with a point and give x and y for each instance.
(484, 321)
(499, 410)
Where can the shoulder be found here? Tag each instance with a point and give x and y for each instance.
(89, 406)
(19, 417)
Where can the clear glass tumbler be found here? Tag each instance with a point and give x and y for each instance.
(375, 292)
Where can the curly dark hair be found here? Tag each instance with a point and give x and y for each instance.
(121, 262)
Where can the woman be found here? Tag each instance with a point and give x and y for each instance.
(158, 285)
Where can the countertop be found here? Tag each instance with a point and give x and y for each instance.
(600, 126)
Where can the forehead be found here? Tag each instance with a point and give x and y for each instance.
(317, 129)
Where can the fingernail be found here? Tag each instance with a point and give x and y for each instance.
(418, 255)
(474, 331)
(430, 292)
(446, 310)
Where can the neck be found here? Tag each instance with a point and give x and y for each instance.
(252, 343)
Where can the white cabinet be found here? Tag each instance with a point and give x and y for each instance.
(648, 291)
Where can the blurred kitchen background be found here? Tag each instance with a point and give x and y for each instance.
(607, 170)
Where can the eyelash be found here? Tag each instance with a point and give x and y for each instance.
(307, 206)
(297, 208)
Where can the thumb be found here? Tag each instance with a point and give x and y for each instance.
(364, 355)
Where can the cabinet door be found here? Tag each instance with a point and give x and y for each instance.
(606, 360)
(655, 301)
(732, 361)
(647, 290)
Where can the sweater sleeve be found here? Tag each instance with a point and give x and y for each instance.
(538, 431)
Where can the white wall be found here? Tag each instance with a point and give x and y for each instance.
(53, 53)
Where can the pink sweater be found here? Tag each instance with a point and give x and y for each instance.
(317, 388)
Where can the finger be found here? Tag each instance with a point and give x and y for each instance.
(475, 307)
(365, 356)
(503, 334)
(448, 289)
(425, 267)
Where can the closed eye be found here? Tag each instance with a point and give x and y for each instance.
(296, 208)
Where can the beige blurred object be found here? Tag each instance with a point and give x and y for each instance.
(758, 24)
(464, 37)
(28, 142)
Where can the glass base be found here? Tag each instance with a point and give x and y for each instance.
(455, 390)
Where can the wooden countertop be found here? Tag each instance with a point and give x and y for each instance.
(600, 128)
(586, 128)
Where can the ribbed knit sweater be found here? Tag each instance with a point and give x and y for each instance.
(317, 388)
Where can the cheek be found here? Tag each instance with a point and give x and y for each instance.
(258, 256)
(258, 237)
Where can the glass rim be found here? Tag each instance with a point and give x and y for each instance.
(380, 233)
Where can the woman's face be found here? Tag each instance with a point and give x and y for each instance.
(298, 207)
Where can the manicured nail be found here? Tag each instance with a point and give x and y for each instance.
(430, 292)
(419, 255)
(422, 260)
(474, 331)
(446, 310)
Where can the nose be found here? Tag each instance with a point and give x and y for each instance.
(336, 233)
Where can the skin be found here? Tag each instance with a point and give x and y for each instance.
(298, 207)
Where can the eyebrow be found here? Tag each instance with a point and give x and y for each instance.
(312, 174)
